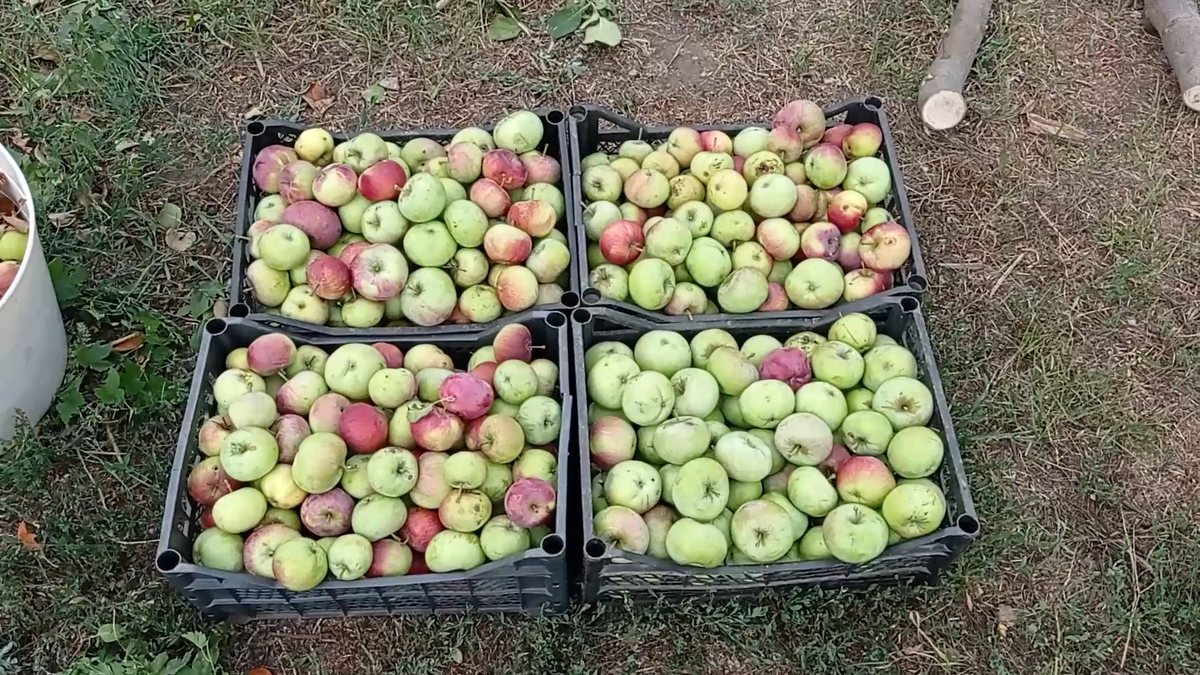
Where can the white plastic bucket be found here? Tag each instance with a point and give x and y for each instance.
(33, 343)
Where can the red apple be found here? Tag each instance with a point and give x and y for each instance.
(269, 164)
(836, 458)
(466, 395)
(351, 251)
(787, 364)
(622, 241)
(489, 196)
(393, 357)
(530, 502)
(514, 341)
(863, 141)
(270, 353)
(777, 299)
(328, 277)
(863, 283)
(846, 210)
(206, 518)
(318, 221)
(535, 217)
(885, 247)
(419, 528)
(505, 168)
(438, 430)
(363, 427)
(837, 133)
(540, 168)
(289, 431)
(382, 181)
(716, 141)
(208, 482)
(485, 371)
(806, 205)
(507, 244)
(821, 240)
(327, 514)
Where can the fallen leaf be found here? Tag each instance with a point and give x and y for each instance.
(259, 671)
(180, 240)
(390, 83)
(602, 31)
(20, 142)
(1006, 616)
(169, 216)
(1049, 127)
(504, 28)
(318, 98)
(83, 115)
(34, 3)
(374, 94)
(17, 223)
(125, 144)
(61, 219)
(220, 309)
(27, 538)
(45, 53)
(129, 343)
(252, 113)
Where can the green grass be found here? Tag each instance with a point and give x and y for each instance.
(1054, 398)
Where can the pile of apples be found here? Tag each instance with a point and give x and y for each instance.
(367, 232)
(14, 239)
(708, 454)
(764, 221)
(370, 461)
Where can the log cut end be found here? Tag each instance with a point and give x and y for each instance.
(1191, 98)
(943, 109)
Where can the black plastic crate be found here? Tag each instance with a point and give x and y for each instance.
(595, 128)
(262, 133)
(534, 582)
(611, 574)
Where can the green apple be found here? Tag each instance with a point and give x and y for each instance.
(915, 452)
(697, 544)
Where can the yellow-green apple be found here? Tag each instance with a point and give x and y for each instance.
(870, 176)
(885, 247)
(863, 140)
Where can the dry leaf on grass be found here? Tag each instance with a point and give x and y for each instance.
(220, 309)
(180, 240)
(259, 671)
(15, 222)
(1006, 616)
(27, 538)
(20, 142)
(129, 343)
(390, 83)
(318, 97)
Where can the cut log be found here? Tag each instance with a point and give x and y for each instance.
(940, 98)
(1177, 23)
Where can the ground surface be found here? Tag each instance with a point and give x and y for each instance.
(1064, 310)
